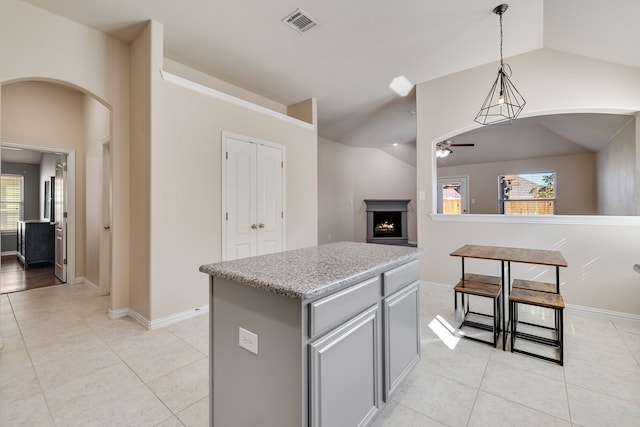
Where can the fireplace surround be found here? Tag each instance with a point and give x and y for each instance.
(387, 221)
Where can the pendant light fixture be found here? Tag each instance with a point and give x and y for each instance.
(503, 103)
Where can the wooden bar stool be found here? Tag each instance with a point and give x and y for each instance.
(535, 298)
(482, 286)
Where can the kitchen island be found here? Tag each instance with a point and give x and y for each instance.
(319, 336)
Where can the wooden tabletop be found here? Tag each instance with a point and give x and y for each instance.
(500, 253)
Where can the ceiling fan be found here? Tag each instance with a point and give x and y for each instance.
(443, 148)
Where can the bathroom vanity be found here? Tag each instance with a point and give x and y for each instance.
(320, 336)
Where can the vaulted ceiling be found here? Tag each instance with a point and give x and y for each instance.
(358, 46)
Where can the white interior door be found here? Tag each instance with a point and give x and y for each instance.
(253, 198)
(453, 195)
(61, 219)
(240, 218)
(270, 213)
(105, 234)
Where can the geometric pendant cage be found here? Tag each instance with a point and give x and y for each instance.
(504, 102)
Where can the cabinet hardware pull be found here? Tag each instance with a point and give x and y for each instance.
(261, 225)
(253, 226)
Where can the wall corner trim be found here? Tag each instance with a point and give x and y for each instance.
(197, 87)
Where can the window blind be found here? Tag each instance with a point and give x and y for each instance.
(11, 201)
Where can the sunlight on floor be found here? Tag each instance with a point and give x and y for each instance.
(444, 331)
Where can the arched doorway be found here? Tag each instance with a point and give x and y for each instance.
(56, 119)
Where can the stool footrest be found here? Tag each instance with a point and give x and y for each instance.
(539, 356)
(538, 339)
(551, 328)
(476, 325)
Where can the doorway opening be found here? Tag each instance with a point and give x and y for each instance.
(453, 195)
(30, 250)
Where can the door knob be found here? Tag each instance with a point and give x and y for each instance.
(107, 227)
(254, 226)
(261, 225)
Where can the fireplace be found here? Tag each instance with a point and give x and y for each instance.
(387, 221)
(387, 224)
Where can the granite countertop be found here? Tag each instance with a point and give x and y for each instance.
(312, 272)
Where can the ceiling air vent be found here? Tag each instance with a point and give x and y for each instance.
(300, 21)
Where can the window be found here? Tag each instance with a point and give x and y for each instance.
(11, 201)
(527, 194)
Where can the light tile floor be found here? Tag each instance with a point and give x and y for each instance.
(64, 363)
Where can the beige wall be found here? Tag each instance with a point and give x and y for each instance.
(186, 203)
(186, 184)
(182, 70)
(600, 256)
(142, 66)
(336, 189)
(349, 175)
(616, 173)
(42, 46)
(96, 131)
(575, 177)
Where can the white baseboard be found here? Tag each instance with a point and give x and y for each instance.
(140, 319)
(570, 307)
(118, 314)
(436, 285)
(86, 282)
(7, 253)
(178, 317)
(151, 325)
(601, 312)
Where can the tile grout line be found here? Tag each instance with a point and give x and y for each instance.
(624, 341)
(33, 366)
(527, 406)
(174, 414)
(475, 399)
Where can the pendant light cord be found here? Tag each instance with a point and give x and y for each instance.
(504, 67)
(501, 38)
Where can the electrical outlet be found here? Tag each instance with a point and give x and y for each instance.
(248, 340)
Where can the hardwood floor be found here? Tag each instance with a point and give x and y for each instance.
(14, 278)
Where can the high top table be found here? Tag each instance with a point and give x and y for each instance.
(509, 255)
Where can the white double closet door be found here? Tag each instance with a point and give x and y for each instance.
(253, 197)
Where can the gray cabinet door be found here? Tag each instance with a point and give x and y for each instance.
(402, 336)
(344, 370)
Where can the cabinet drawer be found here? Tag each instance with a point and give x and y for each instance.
(341, 306)
(401, 276)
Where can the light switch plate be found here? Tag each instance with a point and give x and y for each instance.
(248, 340)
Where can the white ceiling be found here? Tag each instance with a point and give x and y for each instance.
(348, 60)
(21, 156)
